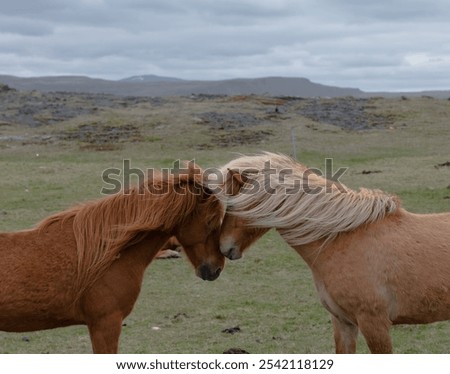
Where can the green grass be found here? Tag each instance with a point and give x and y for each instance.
(269, 294)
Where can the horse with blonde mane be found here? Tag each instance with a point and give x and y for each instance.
(85, 265)
(374, 264)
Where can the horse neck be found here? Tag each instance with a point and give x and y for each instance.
(339, 213)
(311, 252)
(142, 252)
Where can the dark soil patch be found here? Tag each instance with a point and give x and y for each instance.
(91, 136)
(234, 351)
(180, 315)
(371, 172)
(229, 121)
(102, 134)
(443, 165)
(101, 137)
(347, 113)
(232, 330)
(35, 109)
(240, 137)
(233, 129)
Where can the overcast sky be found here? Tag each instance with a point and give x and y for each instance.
(372, 45)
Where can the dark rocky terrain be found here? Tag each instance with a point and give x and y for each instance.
(34, 109)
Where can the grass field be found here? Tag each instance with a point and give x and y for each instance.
(269, 294)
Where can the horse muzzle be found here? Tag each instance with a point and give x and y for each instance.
(233, 253)
(208, 272)
(229, 248)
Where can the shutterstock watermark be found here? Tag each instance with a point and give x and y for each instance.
(268, 179)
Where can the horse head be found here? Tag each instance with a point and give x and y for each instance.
(199, 231)
(236, 235)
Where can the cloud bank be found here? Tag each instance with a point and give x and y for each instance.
(385, 45)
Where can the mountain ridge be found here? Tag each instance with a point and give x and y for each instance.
(154, 86)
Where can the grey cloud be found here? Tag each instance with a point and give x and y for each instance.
(390, 10)
(20, 26)
(33, 9)
(395, 44)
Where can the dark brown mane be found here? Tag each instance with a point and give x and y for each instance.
(104, 227)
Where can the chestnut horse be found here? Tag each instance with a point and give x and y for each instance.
(374, 264)
(85, 265)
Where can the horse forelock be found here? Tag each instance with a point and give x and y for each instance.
(104, 227)
(302, 205)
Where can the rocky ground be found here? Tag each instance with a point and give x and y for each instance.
(347, 113)
(34, 109)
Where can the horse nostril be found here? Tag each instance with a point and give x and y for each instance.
(206, 273)
(233, 253)
(227, 247)
(230, 253)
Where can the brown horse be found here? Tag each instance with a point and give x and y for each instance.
(85, 265)
(374, 264)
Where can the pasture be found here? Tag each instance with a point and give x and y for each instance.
(401, 146)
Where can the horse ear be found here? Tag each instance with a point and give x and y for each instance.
(191, 172)
(195, 171)
(194, 177)
(234, 182)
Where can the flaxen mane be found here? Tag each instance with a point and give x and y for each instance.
(279, 192)
(104, 227)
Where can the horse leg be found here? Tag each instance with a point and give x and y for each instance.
(345, 335)
(376, 332)
(105, 332)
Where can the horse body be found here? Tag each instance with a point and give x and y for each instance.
(389, 267)
(33, 295)
(369, 279)
(86, 265)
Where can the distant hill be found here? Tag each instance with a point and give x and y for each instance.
(153, 85)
